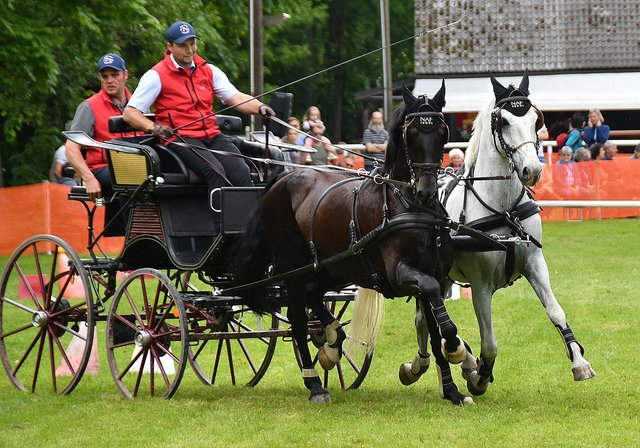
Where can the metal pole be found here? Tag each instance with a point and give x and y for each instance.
(256, 53)
(386, 60)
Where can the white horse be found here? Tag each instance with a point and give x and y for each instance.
(500, 162)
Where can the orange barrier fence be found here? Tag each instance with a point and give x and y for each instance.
(613, 180)
(44, 208)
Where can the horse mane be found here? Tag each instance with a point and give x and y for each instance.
(396, 122)
(483, 119)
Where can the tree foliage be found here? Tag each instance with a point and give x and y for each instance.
(49, 49)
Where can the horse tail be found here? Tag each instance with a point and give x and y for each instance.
(251, 262)
(366, 322)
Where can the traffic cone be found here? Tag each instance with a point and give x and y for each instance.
(75, 351)
(465, 293)
(165, 360)
(75, 288)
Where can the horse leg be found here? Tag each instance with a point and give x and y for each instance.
(481, 375)
(331, 351)
(410, 372)
(297, 315)
(537, 274)
(469, 362)
(447, 388)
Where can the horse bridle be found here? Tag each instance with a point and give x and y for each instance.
(497, 123)
(423, 121)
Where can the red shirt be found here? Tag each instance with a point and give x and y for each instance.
(103, 108)
(186, 95)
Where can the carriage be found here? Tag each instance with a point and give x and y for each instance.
(163, 296)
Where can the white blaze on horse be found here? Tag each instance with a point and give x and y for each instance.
(501, 161)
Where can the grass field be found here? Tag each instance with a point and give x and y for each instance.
(595, 273)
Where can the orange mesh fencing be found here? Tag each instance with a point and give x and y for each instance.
(44, 209)
(600, 180)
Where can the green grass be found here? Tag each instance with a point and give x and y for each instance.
(534, 401)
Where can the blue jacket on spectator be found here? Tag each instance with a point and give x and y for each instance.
(593, 134)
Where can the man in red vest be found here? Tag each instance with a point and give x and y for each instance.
(92, 117)
(181, 88)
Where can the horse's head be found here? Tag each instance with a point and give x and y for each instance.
(421, 133)
(514, 125)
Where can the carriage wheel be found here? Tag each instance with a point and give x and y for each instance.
(225, 349)
(147, 337)
(352, 368)
(46, 333)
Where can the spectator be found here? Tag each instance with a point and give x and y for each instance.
(575, 129)
(566, 156)
(348, 161)
(457, 159)
(375, 139)
(323, 147)
(61, 171)
(291, 137)
(610, 150)
(597, 151)
(170, 86)
(543, 134)
(596, 131)
(582, 155)
(293, 121)
(312, 114)
(636, 153)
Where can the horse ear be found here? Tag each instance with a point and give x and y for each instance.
(438, 98)
(499, 90)
(524, 84)
(407, 95)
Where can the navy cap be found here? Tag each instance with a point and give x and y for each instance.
(111, 60)
(178, 32)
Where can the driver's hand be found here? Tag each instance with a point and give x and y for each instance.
(266, 111)
(162, 132)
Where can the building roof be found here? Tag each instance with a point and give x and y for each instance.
(544, 35)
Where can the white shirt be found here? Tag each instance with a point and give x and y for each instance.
(150, 87)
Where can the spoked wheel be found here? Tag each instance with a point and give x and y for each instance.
(352, 368)
(147, 337)
(46, 331)
(230, 344)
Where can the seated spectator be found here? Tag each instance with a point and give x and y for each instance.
(596, 131)
(312, 114)
(566, 155)
(610, 150)
(636, 153)
(457, 159)
(293, 121)
(574, 140)
(61, 171)
(323, 147)
(582, 155)
(291, 137)
(597, 151)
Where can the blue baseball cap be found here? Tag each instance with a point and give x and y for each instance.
(111, 60)
(178, 32)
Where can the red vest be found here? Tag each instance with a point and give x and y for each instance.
(103, 109)
(186, 95)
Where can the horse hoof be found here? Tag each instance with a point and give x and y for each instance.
(327, 356)
(583, 373)
(407, 377)
(320, 398)
(454, 357)
(476, 384)
(466, 373)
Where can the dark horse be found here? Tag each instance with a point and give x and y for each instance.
(321, 229)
